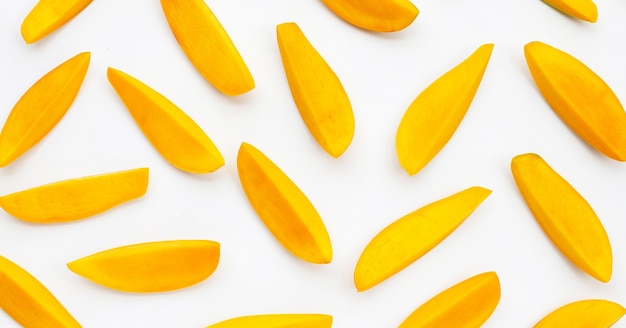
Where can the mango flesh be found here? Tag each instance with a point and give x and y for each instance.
(594, 313)
(375, 15)
(48, 15)
(277, 321)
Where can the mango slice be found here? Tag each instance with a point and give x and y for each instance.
(593, 313)
(410, 237)
(564, 215)
(29, 302)
(433, 117)
(49, 15)
(208, 46)
(375, 15)
(283, 207)
(580, 98)
(581, 9)
(76, 199)
(151, 267)
(278, 321)
(317, 91)
(172, 133)
(42, 107)
(467, 304)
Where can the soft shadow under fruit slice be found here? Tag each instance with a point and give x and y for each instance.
(49, 15)
(375, 15)
(277, 321)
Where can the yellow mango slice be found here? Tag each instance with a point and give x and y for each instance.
(29, 302)
(283, 207)
(432, 118)
(172, 133)
(467, 304)
(564, 215)
(151, 267)
(317, 91)
(76, 199)
(208, 46)
(375, 15)
(593, 313)
(581, 9)
(42, 107)
(407, 239)
(49, 15)
(580, 98)
(277, 321)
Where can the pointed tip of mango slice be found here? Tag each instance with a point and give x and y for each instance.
(583, 313)
(582, 9)
(47, 16)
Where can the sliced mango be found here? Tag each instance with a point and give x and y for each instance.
(581, 9)
(76, 199)
(375, 15)
(317, 91)
(207, 45)
(42, 107)
(277, 321)
(467, 304)
(436, 113)
(564, 215)
(580, 98)
(151, 267)
(49, 15)
(410, 237)
(583, 314)
(283, 207)
(172, 133)
(29, 302)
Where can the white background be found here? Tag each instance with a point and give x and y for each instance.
(357, 195)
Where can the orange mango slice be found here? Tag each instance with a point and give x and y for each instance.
(277, 321)
(76, 199)
(592, 313)
(564, 215)
(467, 304)
(42, 107)
(207, 45)
(317, 91)
(28, 301)
(172, 133)
(581, 9)
(49, 15)
(375, 15)
(151, 267)
(283, 207)
(407, 239)
(433, 117)
(580, 98)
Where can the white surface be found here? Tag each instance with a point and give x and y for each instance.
(357, 194)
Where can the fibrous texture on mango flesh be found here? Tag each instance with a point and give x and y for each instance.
(317, 91)
(76, 199)
(375, 15)
(407, 239)
(580, 98)
(151, 267)
(283, 207)
(433, 117)
(277, 321)
(49, 15)
(594, 313)
(581, 9)
(172, 132)
(564, 215)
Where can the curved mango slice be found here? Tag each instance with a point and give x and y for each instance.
(282, 206)
(174, 134)
(317, 92)
(580, 98)
(583, 314)
(76, 199)
(277, 321)
(564, 215)
(375, 15)
(467, 304)
(581, 9)
(151, 267)
(410, 237)
(208, 46)
(29, 302)
(436, 113)
(42, 107)
(49, 15)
